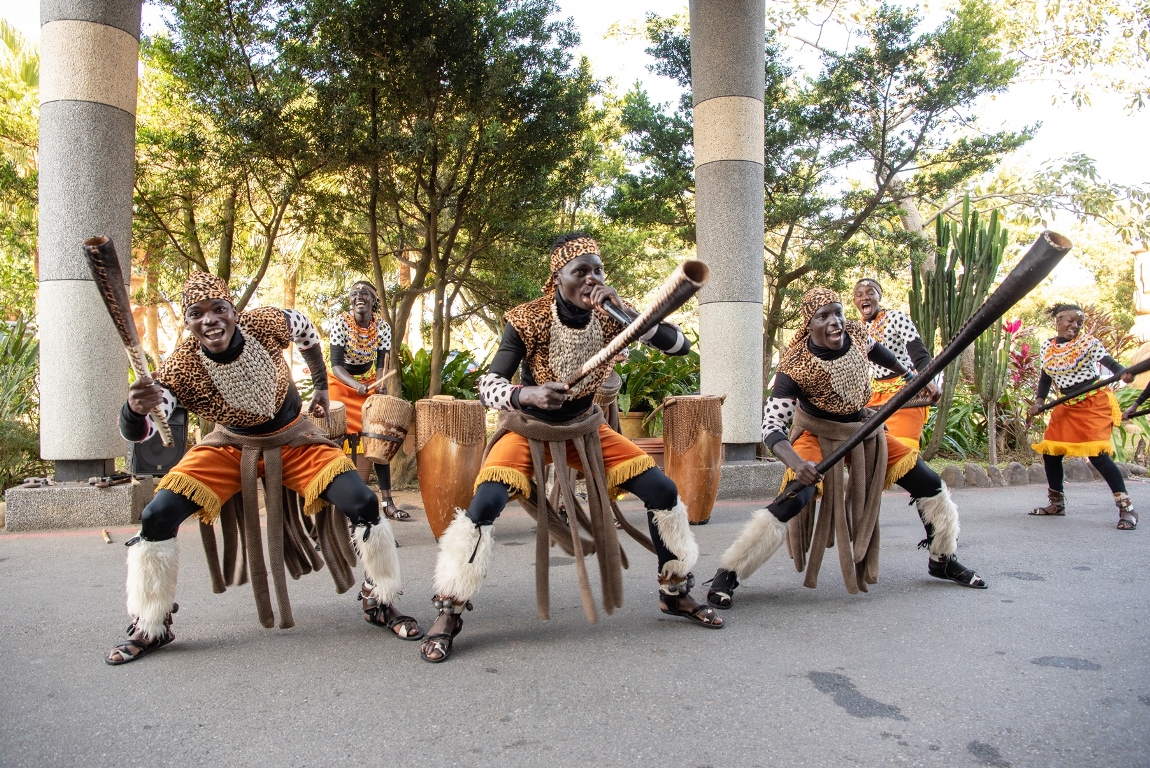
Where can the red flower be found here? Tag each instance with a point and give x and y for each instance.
(1012, 326)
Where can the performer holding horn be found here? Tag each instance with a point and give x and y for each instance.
(552, 337)
(895, 331)
(822, 384)
(360, 344)
(231, 371)
(1082, 426)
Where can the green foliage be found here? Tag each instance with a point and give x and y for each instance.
(649, 376)
(460, 375)
(19, 361)
(966, 261)
(965, 420)
(19, 405)
(1133, 433)
(19, 111)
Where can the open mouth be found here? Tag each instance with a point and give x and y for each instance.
(865, 307)
(360, 303)
(214, 334)
(835, 335)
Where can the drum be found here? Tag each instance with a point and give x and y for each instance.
(693, 447)
(334, 425)
(450, 436)
(385, 423)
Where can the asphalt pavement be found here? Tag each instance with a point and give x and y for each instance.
(1048, 667)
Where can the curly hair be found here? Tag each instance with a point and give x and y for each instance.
(1061, 307)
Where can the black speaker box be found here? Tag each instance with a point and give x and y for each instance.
(151, 457)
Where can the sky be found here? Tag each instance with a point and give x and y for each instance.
(1104, 131)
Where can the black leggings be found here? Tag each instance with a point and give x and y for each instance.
(654, 489)
(162, 517)
(383, 472)
(1103, 463)
(922, 481)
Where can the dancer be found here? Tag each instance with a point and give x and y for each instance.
(824, 376)
(552, 337)
(231, 371)
(895, 331)
(360, 345)
(1082, 426)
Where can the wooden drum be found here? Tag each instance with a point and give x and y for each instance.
(385, 423)
(450, 436)
(334, 425)
(693, 450)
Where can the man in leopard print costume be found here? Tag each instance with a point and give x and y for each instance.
(824, 371)
(231, 371)
(551, 337)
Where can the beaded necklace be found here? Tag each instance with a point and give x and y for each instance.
(877, 327)
(247, 383)
(361, 342)
(1065, 358)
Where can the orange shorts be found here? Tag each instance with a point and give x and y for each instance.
(905, 426)
(509, 461)
(210, 475)
(900, 457)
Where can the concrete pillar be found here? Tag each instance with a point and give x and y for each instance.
(727, 83)
(88, 72)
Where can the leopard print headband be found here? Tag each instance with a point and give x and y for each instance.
(564, 254)
(201, 286)
(814, 300)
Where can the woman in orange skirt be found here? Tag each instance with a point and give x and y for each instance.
(1083, 425)
(360, 344)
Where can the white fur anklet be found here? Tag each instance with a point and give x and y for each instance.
(375, 545)
(151, 585)
(675, 531)
(940, 512)
(757, 542)
(465, 553)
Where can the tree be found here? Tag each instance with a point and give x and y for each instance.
(458, 118)
(19, 113)
(899, 104)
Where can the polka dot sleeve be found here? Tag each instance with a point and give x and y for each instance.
(303, 333)
(383, 338)
(495, 392)
(778, 414)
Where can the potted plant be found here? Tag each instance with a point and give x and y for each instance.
(649, 376)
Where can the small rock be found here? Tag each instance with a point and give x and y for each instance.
(952, 475)
(976, 476)
(1077, 470)
(996, 477)
(1016, 474)
(1138, 470)
(1123, 469)
(1037, 473)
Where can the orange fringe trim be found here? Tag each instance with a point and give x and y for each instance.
(901, 467)
(311, 500)
(519, 483)
(1085, 450)
(624, 471)
(195, 491)
(789, 475)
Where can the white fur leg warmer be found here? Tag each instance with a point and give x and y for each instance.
(465, 553)
(760, 538)
(675, 531)
(380, 560)
(152, 570)
(941, 514)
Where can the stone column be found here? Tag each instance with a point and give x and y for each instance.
(727, 83)
(88, 71)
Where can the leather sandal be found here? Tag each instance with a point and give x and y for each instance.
(1127, 517)
(436, 648)
(952, 570)
(137, 645)
(671, 603)
(1056, 507)
(400, 514)
(387, 616)
(722, 591)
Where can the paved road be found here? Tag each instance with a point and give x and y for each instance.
(1049, 667)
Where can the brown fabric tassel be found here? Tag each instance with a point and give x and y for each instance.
(598, 519)
(848, 513)
(208, 537)
(335, 543)
(257, 566)
(273, 504)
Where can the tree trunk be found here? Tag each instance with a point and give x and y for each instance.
(992, 432)
(227, 235)
(291, 281)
